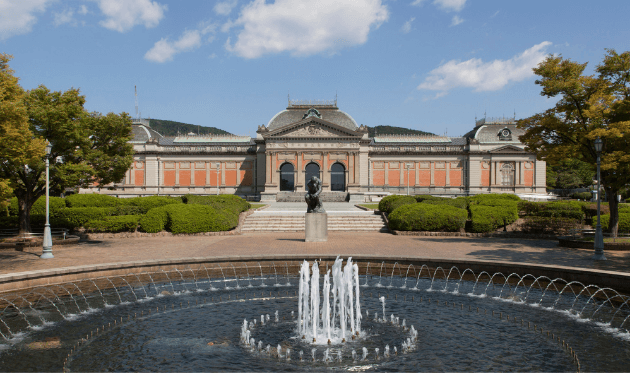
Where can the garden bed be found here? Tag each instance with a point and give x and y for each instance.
(622, 244)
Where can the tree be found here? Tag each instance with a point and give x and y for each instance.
(93, 149)
(569, 174)
(590, 106)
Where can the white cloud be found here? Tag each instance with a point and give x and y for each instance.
(406, 27)
(63, 17)
(122, 15)
(164, 50)
(456, 20)
(450, 5)
(417, 2)
(83, 10)
(304, 27)
(484, 76)
(18, 17)
(224, 7)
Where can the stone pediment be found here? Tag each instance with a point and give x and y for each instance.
(508, 149)
(312, 127)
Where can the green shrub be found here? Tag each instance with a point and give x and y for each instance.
(428, 217)
(114, 224)
(584, 196)
(155, 220)
(121, 210)
(77, 216)
(459, 202)
(424, 197)
(488, 218)
(552, 225)
(494, 196)
(200, 218)
(562, 209)
(55, 204)
(624, 222)
(9, 222)
(147, 203)
(624, 208)
(530, 208)
(91, 200)
(590, 210)
(224, 201)
(391, 203)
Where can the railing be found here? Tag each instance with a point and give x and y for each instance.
(407, 148)
(56, 232)
(312, 103)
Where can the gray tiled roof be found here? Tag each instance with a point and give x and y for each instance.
(286, 117)
(454, 141)
(168, 141)
(143, 133)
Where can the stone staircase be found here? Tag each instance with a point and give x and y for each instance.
(292, 222)
(299, 196)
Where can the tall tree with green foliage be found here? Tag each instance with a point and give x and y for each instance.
(91, 148)
(590, 106)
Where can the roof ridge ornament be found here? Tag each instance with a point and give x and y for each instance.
(312, 112)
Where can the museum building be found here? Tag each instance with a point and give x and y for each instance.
(315, 138)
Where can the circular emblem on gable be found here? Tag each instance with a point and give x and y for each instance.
(505, 132)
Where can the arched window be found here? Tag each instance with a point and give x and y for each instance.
(312, 169)
(507, 174)
(287, 177)
(338, 178)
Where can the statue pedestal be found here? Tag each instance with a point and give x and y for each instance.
(316, 227)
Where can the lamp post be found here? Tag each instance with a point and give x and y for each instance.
(47, 249)
(218, 165)
(408, 166)
(599, 237)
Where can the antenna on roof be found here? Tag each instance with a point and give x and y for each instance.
(289, 98)
(136, 96)
(335, 97)
(514, 114)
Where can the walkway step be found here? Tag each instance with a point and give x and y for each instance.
(294, 222)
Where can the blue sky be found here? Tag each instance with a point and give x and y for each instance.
(424, 64)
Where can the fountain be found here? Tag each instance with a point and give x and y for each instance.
(324, 314)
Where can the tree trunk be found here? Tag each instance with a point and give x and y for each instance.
(613, 204)
(25, 205)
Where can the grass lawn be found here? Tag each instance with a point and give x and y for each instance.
(373, 206)
(608, 239)
(257, 205)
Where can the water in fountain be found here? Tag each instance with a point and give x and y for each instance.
(341, 319)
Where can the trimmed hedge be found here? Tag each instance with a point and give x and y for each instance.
(494, 196)
(459, 202)
(224, 201)
(91, 200)
(488, 218)
(428, 217)
(624, 208)
(155, 220)
(424, 197)
(624, 222)
(144, 204)
(563, 209)
(552, 225)
(56, 204)
(114, 224)
(77, 216)
(391, 203)
(584, 196)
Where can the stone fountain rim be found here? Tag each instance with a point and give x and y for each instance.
(618, 281)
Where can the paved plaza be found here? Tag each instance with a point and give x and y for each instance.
(118, 250)
(339, 243)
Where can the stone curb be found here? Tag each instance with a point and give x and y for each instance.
(578, 244)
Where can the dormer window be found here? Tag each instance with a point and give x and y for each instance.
(505, 135)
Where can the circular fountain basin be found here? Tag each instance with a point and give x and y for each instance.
(175, 321)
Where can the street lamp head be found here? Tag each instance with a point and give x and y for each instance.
(48, 148)
(598, 145)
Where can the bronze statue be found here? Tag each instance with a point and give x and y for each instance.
(313, 200)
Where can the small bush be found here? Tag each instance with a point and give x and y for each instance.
(195, 218)
(623, 208)
(590, 210)
(155, 220)
(121, 210)
(459, 202)
(9, 222)
(55, 204)
(77, 216)
(428, 217)
(91, 200)
(144, 204)
(391, 203)
(624, 222)
(494, 196)
(563, 209)
(584, 196)
(550, 225)
(224, 201)
(424, 197)
(488, 218)
(114, 224)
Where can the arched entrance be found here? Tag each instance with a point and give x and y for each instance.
(338, 178)
(507, 174)
(287, 177)
(312, 169)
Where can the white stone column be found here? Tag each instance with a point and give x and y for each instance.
(448, 173)
(222, 173)
(177, 173)
(386, 168)
(207, 173)
(432, 183)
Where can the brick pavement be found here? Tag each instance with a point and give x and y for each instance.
(339, 243)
